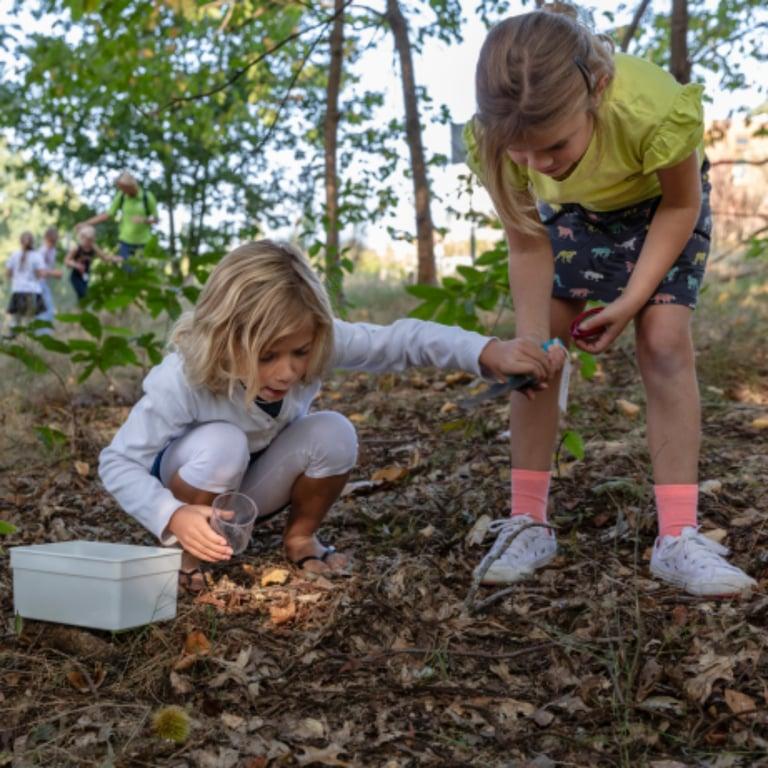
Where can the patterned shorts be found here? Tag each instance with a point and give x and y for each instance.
(596, 252)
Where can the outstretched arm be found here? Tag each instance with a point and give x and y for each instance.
(94, 220)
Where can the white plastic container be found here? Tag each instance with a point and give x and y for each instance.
(95, 584)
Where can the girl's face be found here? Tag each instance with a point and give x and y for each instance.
(284, 363)
(555, 151)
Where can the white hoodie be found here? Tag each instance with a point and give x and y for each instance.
(171, 407)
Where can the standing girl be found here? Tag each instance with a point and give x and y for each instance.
(80, 259)
(48, 254)
(229, 408)
(595, 164)
(25, 270)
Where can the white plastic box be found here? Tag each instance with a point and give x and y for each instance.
(95, 584)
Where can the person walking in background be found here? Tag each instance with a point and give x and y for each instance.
(26, 269)
(80, 259)
(135, 209)
(49, 252)
(594, 161)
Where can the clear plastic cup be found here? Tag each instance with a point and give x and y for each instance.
(233, 517)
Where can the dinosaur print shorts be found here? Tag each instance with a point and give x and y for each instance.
(596, 252)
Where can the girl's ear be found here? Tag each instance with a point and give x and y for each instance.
(600, 87)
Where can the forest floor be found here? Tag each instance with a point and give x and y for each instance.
(593, 663)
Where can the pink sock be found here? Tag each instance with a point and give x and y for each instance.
(676, 506)
(530, 490)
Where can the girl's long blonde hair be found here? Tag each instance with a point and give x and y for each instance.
(534, 70)
(258, 294)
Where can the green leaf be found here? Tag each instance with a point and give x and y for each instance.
(587, 364)
(29, 359)
(427, 292)
(52, 344)
(91, 324)
(574, 443)
(51, 438)
(7, 528)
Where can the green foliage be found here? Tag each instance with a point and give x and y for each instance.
(573, 442)
(51, 438)
(6, 528)
(458, 300)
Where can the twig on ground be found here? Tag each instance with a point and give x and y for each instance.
(498, 548)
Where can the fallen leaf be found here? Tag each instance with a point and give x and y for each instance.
(197, 644)
(358, 418)
(663, 704)
(232, 721)
(630, 410)
(478, 531)
(308, 728)
(275, 576)
(679, 615)
(449, 407)
(712, 668)
(458, 377)
(389, 474)
(716, 534)
(738, 702)
(543, 717)
(650, 674)
(712, 487)
(427, 531)
(82, 468)
(325, 756)
(84, 682)
(181, 685)
(281, 614)
(761, 422)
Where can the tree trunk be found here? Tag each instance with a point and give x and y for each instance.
(426, 272)
(679, 65)
(333, 279)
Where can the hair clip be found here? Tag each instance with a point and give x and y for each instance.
(584, 73)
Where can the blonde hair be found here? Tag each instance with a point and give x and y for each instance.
(127, 180)
(534, 70)
(86, 232)
(258, 294)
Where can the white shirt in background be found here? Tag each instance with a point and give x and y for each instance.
(23, 278)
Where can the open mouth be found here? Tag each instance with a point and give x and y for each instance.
(268, 393)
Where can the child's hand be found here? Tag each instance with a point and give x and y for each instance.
(189, 524)
(607, 326)
(502, 358)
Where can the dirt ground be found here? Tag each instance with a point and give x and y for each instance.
(591, 664)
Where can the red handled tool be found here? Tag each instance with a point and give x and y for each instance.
(593, 334)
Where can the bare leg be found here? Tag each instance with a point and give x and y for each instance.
(533, 424)
(311, 498)
(668, 367)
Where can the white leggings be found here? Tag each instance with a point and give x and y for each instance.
(214, 457)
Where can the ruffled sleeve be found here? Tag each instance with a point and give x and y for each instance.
(679, 133)
(516, 175)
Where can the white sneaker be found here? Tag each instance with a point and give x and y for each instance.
(528, 551)
(696, 563)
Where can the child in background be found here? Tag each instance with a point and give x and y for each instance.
(48, 252)
(595, 164)
(229, 408)
(80, 259)
(25, 269)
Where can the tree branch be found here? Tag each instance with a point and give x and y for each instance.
(629, 32)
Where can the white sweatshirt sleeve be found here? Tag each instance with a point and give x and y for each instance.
(165, 411)
(406, 343)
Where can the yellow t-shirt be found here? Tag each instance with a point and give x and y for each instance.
(649, 121)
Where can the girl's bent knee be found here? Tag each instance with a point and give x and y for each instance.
(332, 440)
